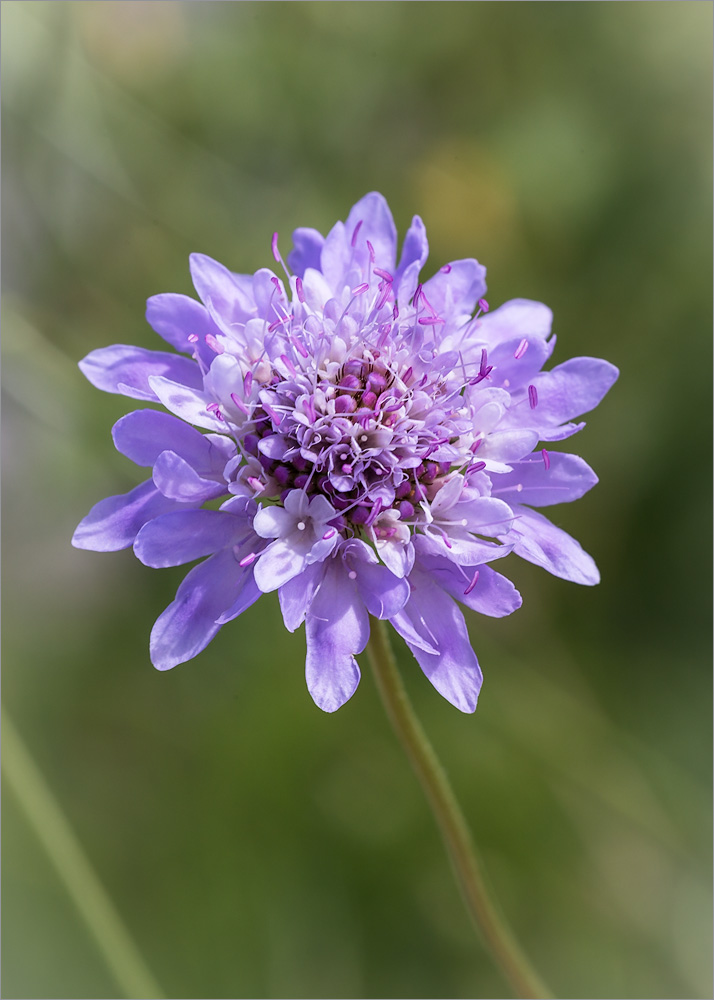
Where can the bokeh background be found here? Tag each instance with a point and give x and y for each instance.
(254, 846)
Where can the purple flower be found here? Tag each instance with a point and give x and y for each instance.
(377, 442)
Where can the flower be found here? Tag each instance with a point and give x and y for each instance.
(375, 441)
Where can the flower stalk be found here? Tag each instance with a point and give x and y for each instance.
(496, 934)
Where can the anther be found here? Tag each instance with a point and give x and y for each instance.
(483, 305)
(521, 349)
(532, 396)
(360, 289)
(546, 459)
(248, 383)
(474, 581)
(371, 251)
(247, 560)
(356, 231)
(274, 247)
(445, 269)
(299, 289)
(240, 404)
(352, 575)
(301, 526)
(193, 338)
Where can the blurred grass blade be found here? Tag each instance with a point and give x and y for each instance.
(71, 864)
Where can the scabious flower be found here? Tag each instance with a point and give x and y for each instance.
(374, 443)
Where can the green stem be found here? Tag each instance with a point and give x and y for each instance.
(454, 830)
(63, 849)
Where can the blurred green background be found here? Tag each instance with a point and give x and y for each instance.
(254, 846)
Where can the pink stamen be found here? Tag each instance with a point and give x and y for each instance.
(395, 311)
(483, 305)
(376, 510)
(240, 404)
(273, 414)
(247, 383)
(193, 338)
(407, 374)
(521, 349)
(247, 560)
(476, 445)
(384, 274)
(473, 583)
(288, 364)
(417, 294)
(532, 396)
(278, 322)
(213, 407)
(431, 321)
(446, 269)
(299, 289)
(355, 231)
(331, 532)
(360, 289)
(546, 459)
(371, 251)
(255, 483)
(274, 247)
(299, 347)
(476, 467)
(213, 344)
(386, 292)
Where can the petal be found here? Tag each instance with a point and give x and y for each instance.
(113, 524)
(508, 446)
(186, 402)
(177, 317)
(264, 293)
(540, 542)
(493, 594)
(218, 287)
(512, 372)
(486, 515)
(127, 370)
(280, 562)
(295, 595)
(308, 244)
(184, 535)
(453, 669)
(455, 292)
(377, 227)
(465, 550)
(383, 593)
(189, 623)
(523, 319)
(272, 522)
(337, 627)
(179, 481)
(143, 434)
(571, 389)
(396, 556)
(247, 592)
(567, 478)
(414, 251)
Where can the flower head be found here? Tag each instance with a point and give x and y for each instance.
(377, 441)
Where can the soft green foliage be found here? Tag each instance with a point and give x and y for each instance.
(254, 846)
